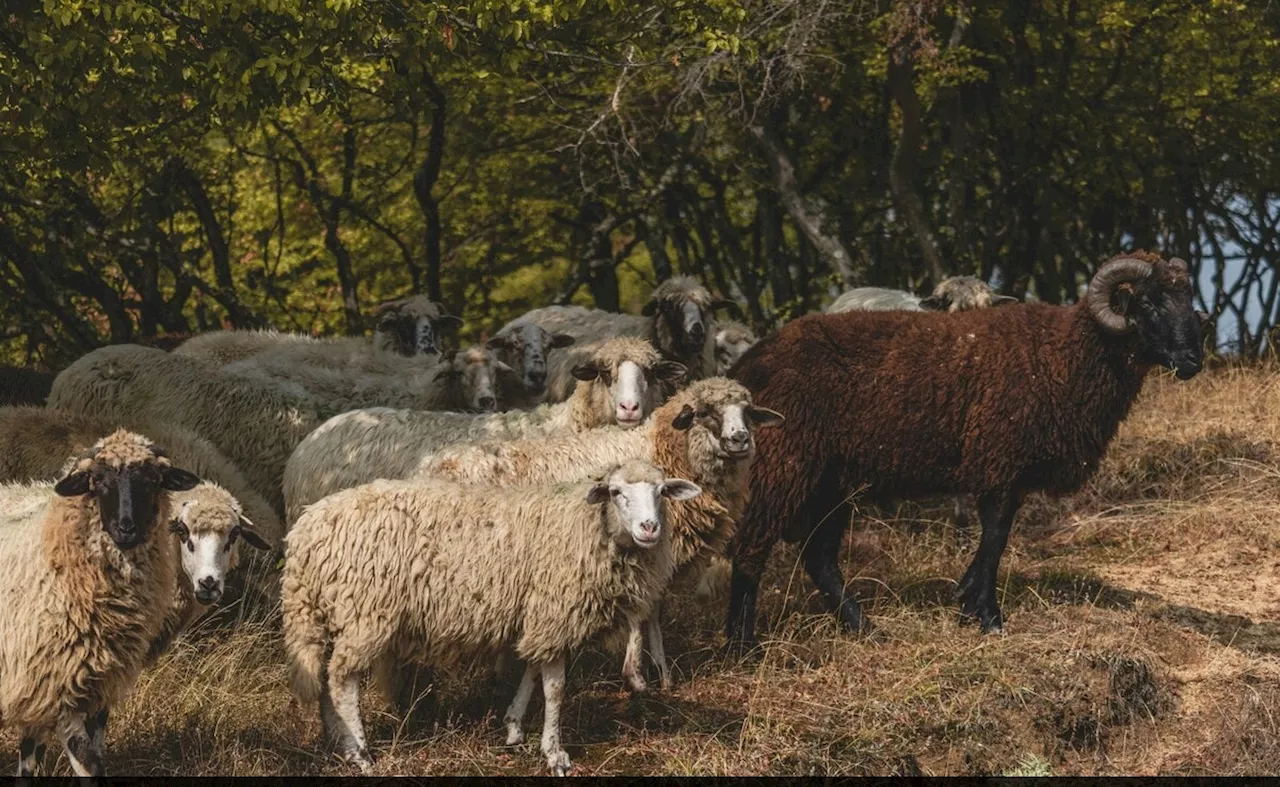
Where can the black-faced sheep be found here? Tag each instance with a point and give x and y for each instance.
(679, 320)
(432, 572)
(524, 346)
(994, 402)
(89, 578)
(621, 383)
(705, 433)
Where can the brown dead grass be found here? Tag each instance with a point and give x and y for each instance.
(1143, 618)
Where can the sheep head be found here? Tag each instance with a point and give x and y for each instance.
(412, 326)
(1143, 295)
(720, 419)
(632, 495)
(475, 372)
(209, 523)
(126, 474)
(682, 309)
(524, 348)
(964, 293)
(621, 381)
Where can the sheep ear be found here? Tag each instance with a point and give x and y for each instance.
(598, 494)
(175, 479)
(649, 308)
(252, 537)
(684, 420)
(725, 303)
(73, 485)
(448, 321)
(670, 370)
(559, 340)
(680, 489)
(502, 367)
(935, 303)
(585, 372)
(498, 342)
(1003, 300)
(763, 416)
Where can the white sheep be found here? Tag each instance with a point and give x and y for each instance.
(704, 433)
(89, 573)
(679, 320)
(405, 327)
(431, 572)
(732, 340)
(254, 425)
(620, 386)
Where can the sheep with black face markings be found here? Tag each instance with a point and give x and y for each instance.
(524, 347)
(621, 384)
(679, 320)
(89, 577)
(466, 571)
(704, 433)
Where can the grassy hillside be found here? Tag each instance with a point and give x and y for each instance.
(1143, 620)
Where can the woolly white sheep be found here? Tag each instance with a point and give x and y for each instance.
(462, 571)
(620, 385)
(88, 579)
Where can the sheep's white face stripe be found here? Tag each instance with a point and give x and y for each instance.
(205, 558)
(628, 391)
(638, 507)
(734, 434)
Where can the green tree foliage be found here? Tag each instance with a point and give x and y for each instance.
(182, 165)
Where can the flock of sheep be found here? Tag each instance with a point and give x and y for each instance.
(534, 494)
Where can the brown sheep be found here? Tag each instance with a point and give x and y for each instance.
(994, 402)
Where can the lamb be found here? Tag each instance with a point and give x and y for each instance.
(23, 385)
(620, 385)
(405, 328)
(524, 346)
(88, 580)
(254, 425)
(679, 320)
(732, 340)
(463, 571)
(955, 294)
(994, 402)
(705, 433)
(464, 380)
(35, 442)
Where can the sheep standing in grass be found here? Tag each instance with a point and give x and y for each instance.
(621, 384)
(35, 442)
(432, 572)
(995, 402)
(524, 346)
(405, 328)
(679, 321)
(88, 582)
(732, 340)
(254, 425)
(955, 294)
(705, 433)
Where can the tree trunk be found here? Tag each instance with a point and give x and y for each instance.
(424, 180)
(902, 167)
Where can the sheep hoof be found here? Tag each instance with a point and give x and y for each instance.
(558, 762)
(855, 624)
(637, 684)
(515, 735)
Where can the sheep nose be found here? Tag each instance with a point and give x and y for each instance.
(696, 332)
(738, 441)
(538, 378)
(208, 583)
(487, 403)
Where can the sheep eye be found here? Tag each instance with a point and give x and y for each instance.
(606, 378)
(177, 527)
(616, 492)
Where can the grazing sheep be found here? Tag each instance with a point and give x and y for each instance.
(23, 385)
(432, 572)
(705, 433)
(994, 402)
(679, 320)
(88, 582)
(955, 294)
(465, 380)
(36, 441)
(254, 425)
(405, 328)
(524, 346)
(732, 340)
(620, 386)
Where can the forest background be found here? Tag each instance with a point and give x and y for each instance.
(174, 166)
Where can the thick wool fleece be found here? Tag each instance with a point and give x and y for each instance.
(35, 442)
(362, 445)
(254, 425)
(83, 614)
(433, 572)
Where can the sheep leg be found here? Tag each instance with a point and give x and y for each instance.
(821, 557)
(552, 695)
(740, 627)
(76, 740)
(656, 649)
(514, 717)
(348, 731)
(632, 666)
(978, 586)
(30, 753)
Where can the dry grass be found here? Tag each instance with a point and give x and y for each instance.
(1143, 618)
